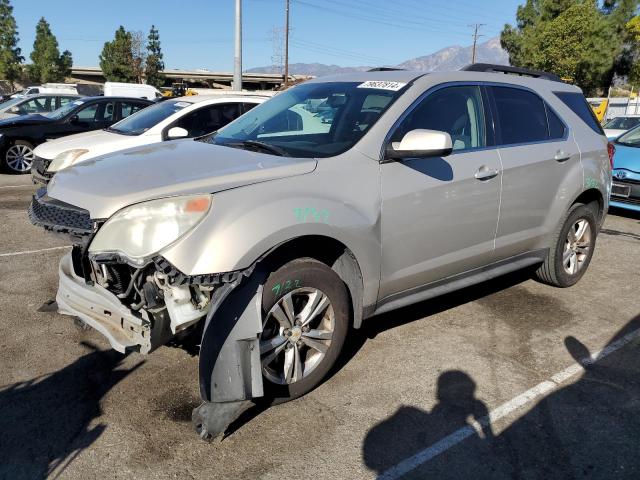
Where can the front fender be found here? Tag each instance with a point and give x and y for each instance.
(243, 226)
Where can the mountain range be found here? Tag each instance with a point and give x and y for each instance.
(449, 58)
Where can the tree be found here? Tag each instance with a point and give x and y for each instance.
(573, 38)
(116, 59)
(155, 64)
(47, 63)
(139, 54)
(10, 54)
(633, 35)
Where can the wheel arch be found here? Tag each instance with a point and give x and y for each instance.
(332, 253)
(589, 196)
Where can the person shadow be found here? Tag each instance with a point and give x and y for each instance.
(47, 421)
(410, 429)
(588, 426)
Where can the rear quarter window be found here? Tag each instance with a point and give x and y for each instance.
(578, 104)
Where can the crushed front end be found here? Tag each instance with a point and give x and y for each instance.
(135, 305)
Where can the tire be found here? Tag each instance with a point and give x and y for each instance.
(299, 282)
(18, 158)
(569, 257)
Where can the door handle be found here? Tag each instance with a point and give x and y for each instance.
(562, 156)
(486, 173)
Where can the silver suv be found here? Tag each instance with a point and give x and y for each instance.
(335, 201)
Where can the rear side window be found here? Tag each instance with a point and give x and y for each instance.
(576, 102)
(522, 116)
(556, 127)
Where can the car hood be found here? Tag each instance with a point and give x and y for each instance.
(626, 158)
(92, 141)
(23, 120)
(612, 133)
(106, 184)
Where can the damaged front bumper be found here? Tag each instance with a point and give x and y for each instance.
(102, 310)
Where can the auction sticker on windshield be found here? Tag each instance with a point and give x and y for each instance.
(382, 85)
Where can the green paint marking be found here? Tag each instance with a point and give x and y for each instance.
(311, 215)
(591, 182)
(285, 286)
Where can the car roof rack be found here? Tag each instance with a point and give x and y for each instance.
(524, 72)
(385, 69)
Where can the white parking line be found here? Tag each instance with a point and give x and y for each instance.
(25, 252)
(16, 186)
(503, 410)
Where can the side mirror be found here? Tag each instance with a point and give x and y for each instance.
(13, 110)
(421, 144)
(74, 119)
(177, 132)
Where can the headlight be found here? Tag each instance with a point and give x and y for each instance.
(142, 230)
(66, 159)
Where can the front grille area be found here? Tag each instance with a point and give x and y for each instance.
(629, 201)
(59, 216)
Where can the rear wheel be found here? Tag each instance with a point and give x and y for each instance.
(18, 158)
(571, 253)
(305, 321)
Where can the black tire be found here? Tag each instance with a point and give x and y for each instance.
(310, 273)
(552, 271)
(8, 167)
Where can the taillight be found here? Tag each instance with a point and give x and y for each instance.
(611, 150)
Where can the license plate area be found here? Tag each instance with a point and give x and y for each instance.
(620, 190)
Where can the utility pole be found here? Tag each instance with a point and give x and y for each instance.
(475, 27)
(237, 68)
(286, 44)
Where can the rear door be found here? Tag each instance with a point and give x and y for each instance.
(541, 165)
(439, 215)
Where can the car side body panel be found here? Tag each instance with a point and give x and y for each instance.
(339, 200)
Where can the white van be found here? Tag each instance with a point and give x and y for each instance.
(136, 90)
(66, 88)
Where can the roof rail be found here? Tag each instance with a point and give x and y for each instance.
(385, 69)
(525, 72)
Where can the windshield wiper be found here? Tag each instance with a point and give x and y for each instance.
(260, 146)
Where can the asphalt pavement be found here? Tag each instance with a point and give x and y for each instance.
(509, 379)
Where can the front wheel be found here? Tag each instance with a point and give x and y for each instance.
(572, 250)
(305, 322)
(18, 158)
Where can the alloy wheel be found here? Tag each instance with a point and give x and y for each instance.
(577, 246)
(19, 158)
(296, 335)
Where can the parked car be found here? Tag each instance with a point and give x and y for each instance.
(618, 125)
(177, 118)
(20, 135)
(34, 104)
(135, 90)
(625, 191)
(281, 232)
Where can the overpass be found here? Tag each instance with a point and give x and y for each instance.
(195, 78)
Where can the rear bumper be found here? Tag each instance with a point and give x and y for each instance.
(102, 310)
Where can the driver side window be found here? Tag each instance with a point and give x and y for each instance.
(456, 110)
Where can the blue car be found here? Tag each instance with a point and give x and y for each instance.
(625, 191)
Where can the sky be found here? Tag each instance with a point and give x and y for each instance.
(199, 33)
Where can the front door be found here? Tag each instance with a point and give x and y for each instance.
(439, 215)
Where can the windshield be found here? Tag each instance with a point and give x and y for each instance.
(65, 110)
(631, 138)
(312, 120)
(622, 123)
(141, 121)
